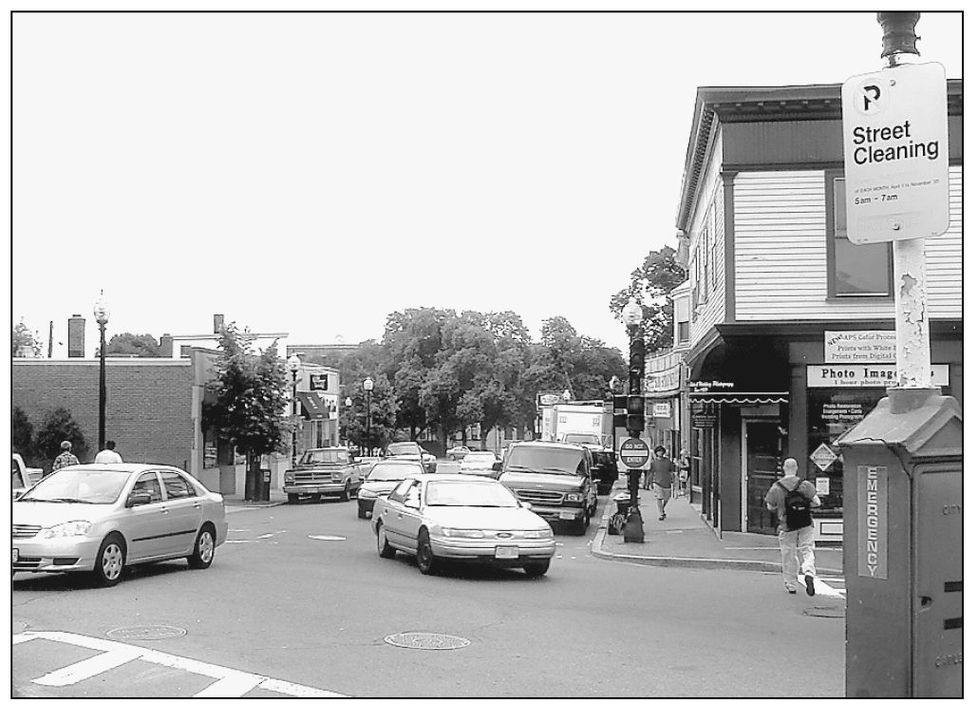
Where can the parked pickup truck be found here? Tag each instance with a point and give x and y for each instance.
(22, 477)
(555, 479)
(323, 472)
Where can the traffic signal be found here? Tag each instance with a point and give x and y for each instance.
(620, 405)
(636, 357)
(636, 413)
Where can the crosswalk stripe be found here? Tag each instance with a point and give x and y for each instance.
(823, 589)
(236, 684)
(230, 682)
(88, 668)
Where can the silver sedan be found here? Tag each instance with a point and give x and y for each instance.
(441, 517)
(99, 518)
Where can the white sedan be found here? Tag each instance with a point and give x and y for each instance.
(100, 518)
(442, 517)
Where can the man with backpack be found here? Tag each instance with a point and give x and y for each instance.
(793, 498)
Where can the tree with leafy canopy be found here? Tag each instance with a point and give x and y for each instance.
(650, 285)
(142, 345)
(58, 426)
(24, 342)
(21, 434)
(383, 412)
(249, 402)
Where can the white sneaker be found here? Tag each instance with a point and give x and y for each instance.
(790, 588)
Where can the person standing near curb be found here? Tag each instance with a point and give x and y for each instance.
(662, 472)
(793, 498)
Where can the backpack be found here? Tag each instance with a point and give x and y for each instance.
(797, 508)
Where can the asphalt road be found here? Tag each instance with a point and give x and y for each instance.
(299, 595)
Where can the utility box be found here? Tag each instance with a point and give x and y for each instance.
(902, 551)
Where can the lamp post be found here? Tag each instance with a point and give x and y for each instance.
(102, 318)
(613, 386)
(632, 315)
(349, 405)
(566, 396)
(368, 386)
(294, 364)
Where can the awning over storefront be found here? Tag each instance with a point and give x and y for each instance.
(313, 407)
(739, 397)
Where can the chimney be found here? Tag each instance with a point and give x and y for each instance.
(166, 346)
(218, 322)
(76, 336)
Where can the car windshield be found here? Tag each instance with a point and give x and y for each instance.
(546, 459)
(461, 493)
(77, 484)
(392, 472)
(326, 456)
(406, 448)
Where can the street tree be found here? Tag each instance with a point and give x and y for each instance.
(142, 345)
(650, 285)
(24, 341)
(21, 433)
(249, 402)
(58, 425)
(383, 414)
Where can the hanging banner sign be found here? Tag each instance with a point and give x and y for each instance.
(894, 124)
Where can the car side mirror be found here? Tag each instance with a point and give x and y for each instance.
(497, 466)
(138, 498)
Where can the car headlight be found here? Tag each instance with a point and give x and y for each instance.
(574, 496)
(538, 533)
(367, 494)
(464, 533)
(289, 475)
(69, 528)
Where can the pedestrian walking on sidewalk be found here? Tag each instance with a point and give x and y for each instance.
(108, 455)
(662, 472)
(793, 498)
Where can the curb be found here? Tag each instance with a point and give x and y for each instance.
(746, 565)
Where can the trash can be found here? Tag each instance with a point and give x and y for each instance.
(265, 485)
(622, 502)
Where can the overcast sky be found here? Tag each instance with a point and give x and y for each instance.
(311, 173)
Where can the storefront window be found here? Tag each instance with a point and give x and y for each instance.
(831, 412)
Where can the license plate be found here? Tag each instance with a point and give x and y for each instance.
(15, 555)
(507, 552)
(567, 516)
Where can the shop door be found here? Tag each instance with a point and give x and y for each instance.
(762, 455)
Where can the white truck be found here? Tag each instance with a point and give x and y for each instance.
(583, 423)
(22, 477)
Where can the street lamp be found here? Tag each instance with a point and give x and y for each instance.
(632, 315)
(368, 386)
(294, 364)
(349, 405)
(613, 386)
(566, 396)
(101, 312)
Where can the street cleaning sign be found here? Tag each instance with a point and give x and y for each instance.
(894, 124)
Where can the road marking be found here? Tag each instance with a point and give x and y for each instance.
(824, 589)
(321, 537)
(229, 682)
(88, 668)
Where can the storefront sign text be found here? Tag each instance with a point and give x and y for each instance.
(830, 375)
(872, 496)
(662, 410)
(860, 347)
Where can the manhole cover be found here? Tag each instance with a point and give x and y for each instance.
(824, 611)
(426, 640)
(146, 631)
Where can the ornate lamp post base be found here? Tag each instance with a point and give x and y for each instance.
(634, 531)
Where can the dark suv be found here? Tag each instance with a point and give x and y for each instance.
(555, 479)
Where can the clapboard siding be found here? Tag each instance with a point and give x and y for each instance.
(709, 210)
(780, 253)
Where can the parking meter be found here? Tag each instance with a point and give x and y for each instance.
(902, 548)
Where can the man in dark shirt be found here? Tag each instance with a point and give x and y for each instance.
(661, 472)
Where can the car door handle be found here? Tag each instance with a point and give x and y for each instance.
(196, 505)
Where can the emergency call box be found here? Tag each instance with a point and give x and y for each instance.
(903, 554)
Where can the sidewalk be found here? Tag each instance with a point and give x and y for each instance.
(685, 539)
(276, 497)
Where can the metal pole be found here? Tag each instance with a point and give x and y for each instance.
(101, 386)
(634, 531)
(295, 414)
(369, 447)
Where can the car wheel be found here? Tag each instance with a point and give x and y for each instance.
(537, 569)
(361, 512)
(385, 550)
(110, 561)
(427, 563)
(345, 495)
(203, 549)
(293, 498)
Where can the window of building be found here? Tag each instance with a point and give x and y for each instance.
(715, 249)
(683, 331)
(854, 270)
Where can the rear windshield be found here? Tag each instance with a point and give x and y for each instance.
(403, 449)
(581, 439)
(393, 472)
(326, 456)
(546, 459)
